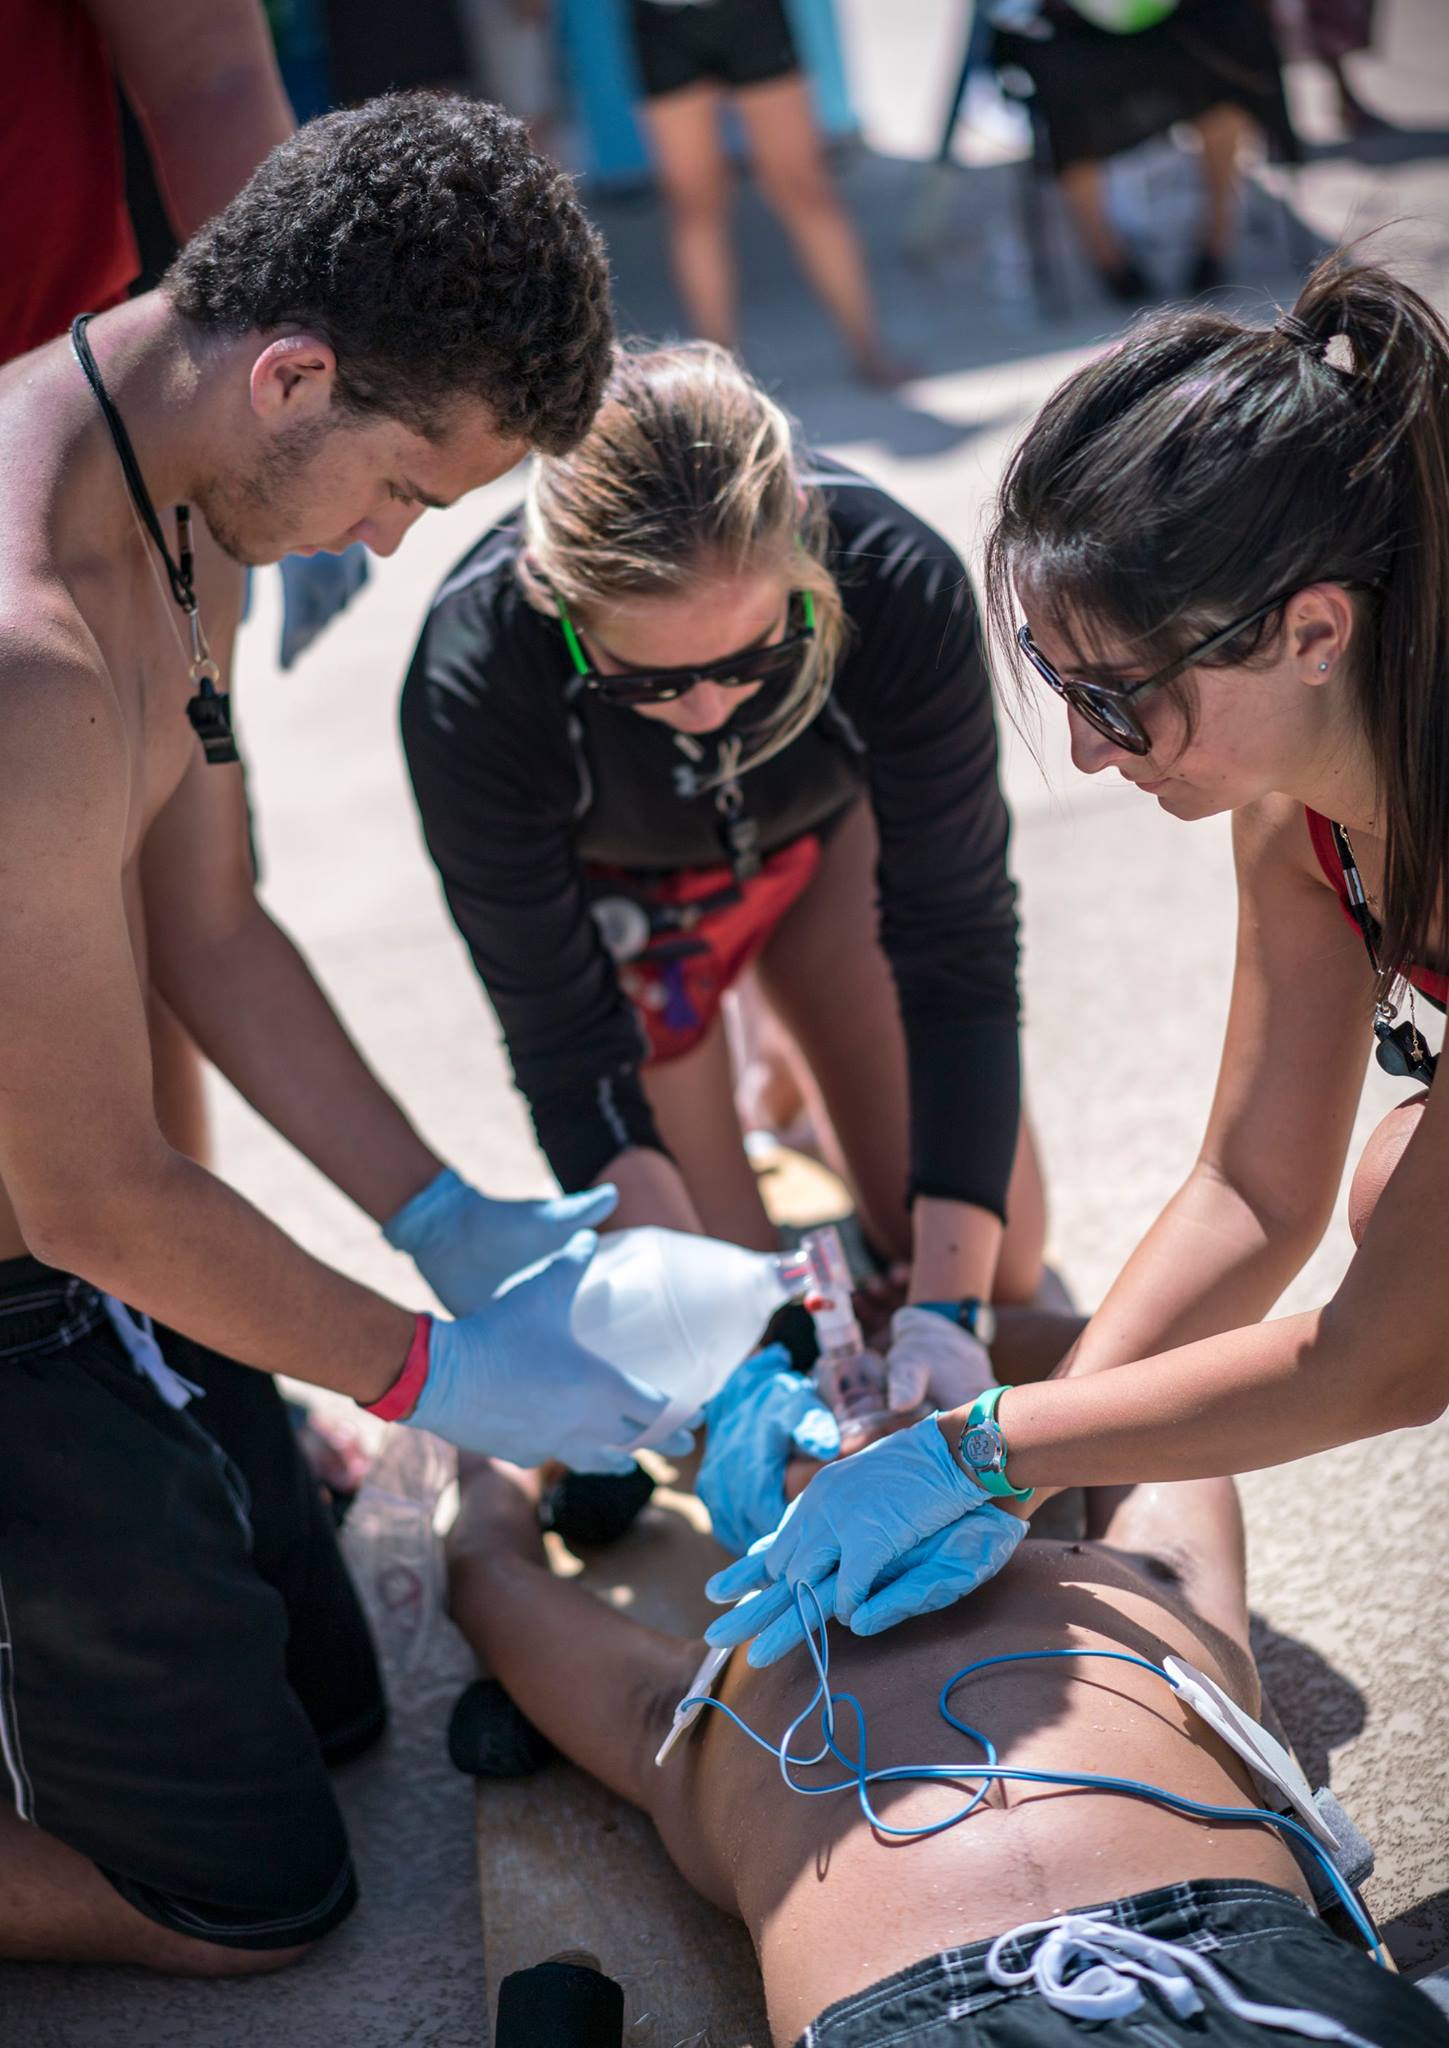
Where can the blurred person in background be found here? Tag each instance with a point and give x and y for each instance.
(1102, 90)
(375, 46)
(695, 58)
(1332, 31)
(203, 81)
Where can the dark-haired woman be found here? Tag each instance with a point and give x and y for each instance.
(704, 705)
(1231, 547)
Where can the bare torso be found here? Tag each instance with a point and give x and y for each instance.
(833, 1908)
(82, 597)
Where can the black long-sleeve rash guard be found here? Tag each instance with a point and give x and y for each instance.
(521, 779)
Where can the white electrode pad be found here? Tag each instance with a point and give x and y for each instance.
(1264, 1755)
(700, 1687)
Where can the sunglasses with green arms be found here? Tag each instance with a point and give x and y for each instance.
(775, 661)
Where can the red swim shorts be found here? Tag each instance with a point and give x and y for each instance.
(679, 941)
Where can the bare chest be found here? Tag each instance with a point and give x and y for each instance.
(145, 647)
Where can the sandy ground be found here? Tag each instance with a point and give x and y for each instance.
(1128, 935)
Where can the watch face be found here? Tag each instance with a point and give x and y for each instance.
(981, 1447)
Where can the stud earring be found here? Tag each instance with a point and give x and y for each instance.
(1323, 668)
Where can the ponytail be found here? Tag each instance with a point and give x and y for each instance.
(1204, 466)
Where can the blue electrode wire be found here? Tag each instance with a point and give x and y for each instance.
(862, 1778)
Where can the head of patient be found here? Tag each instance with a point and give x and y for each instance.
(872, 1920)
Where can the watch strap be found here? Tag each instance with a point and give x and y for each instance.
(976, 1317)
(991, 1477)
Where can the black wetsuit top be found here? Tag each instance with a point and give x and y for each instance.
(521, 779)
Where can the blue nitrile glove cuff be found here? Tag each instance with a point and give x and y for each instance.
(466, 1245)
(763, 1414)
(434, 1210)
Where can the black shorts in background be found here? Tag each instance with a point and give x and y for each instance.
(719, 42)
(182, 1652)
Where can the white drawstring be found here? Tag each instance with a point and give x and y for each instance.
(1120, 1960)
(144, 1353)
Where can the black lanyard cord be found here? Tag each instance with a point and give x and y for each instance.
(179, 575)
(209, 710)
(1402, 1050)
(1369, 928)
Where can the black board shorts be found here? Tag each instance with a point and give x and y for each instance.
(737, 43)
(1267, 1943)
(182, 1652)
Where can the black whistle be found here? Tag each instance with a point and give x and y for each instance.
(210, 714)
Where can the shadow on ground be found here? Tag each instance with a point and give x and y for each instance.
(1319, 1708)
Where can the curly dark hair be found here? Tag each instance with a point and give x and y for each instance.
(442, 258)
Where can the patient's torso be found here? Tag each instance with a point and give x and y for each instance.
(833, 1907)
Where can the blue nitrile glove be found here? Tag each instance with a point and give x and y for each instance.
(466, 1245)
(763, 1414)
(937, 1571)
(851, 1523)
(315, 588)
(512, 1379)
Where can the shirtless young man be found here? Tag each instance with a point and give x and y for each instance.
(400, 303)
(862, 1940)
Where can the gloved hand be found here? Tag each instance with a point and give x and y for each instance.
(936, 1360)
(936, 1571)
(852, 1522)
(513, 1381)
(466, 1245)
(760, 1417)
(315, 588)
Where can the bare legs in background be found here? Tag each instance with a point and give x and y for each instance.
(787, 158)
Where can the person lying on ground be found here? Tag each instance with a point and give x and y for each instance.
(864, 1939)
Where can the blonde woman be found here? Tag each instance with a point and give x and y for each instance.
(704, 703)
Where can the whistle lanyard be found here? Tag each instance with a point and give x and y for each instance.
(1402, 1050)
(208, 708)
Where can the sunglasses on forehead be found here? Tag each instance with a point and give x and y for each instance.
(775, 661)
(1110, 710)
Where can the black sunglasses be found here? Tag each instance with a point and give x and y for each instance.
(1109, 711)
(772, 662)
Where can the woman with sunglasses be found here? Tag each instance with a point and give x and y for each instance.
(1231, 545)
(702, 705)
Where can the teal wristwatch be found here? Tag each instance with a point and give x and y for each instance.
(976, 1317)
(983, 1448)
